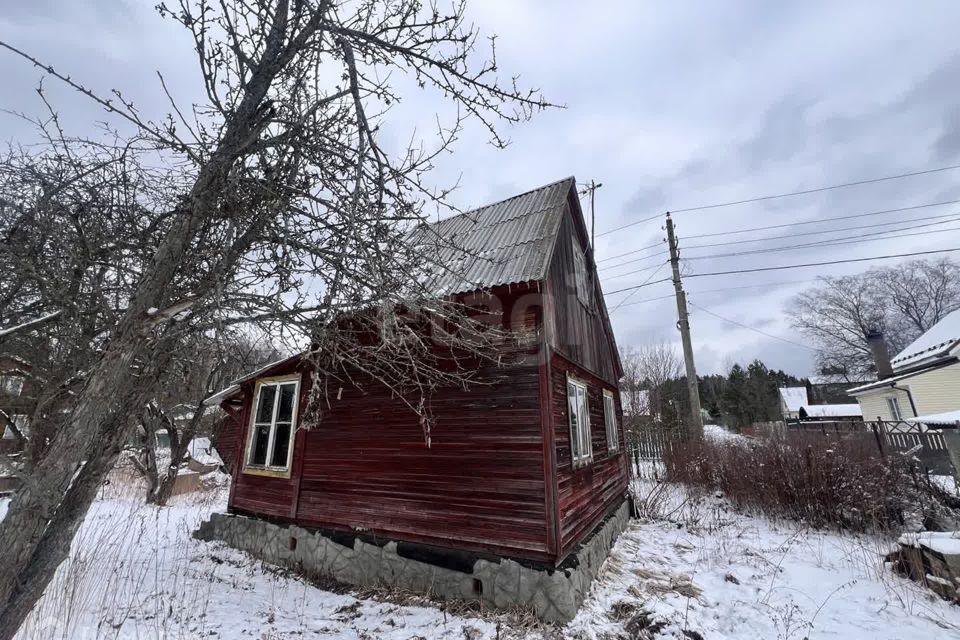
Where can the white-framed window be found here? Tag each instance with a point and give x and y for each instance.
(581, 449)
(610, 420)
(893, 403)
(11, 385)
(580, 273)
(273, 423)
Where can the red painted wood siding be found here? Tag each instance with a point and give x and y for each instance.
(585, 494)
(480, 485)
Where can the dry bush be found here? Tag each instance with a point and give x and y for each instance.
(838, 483)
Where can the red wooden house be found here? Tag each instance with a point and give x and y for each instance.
(523, 468)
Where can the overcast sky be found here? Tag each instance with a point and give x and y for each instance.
(669, 104)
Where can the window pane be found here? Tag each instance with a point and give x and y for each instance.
(258, 454)
(265, 405)
(285, 412)
(587, 445)
(572, 409)
(281, 445)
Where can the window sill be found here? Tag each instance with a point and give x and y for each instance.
(266, 472)
(582, 462)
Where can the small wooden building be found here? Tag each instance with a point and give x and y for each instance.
(525, 467)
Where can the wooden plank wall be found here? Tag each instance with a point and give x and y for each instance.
(585, 494)
(479, 485)
(578, 333)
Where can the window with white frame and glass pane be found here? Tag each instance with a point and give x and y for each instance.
(610, 420)
(581, 448)
(270, 443)
(894, 404)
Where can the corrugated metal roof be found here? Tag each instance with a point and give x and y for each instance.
(504, 242)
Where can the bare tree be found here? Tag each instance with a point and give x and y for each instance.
(903, 301)
(203, 364)
(275, 205)
(920, 292)
(649, 398)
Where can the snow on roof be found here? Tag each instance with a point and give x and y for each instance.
(948, 417)
(936, 342)
(841, 378)
(793, 397)
(202, 451)
(832, 410)
(944, 542)
(223, 394)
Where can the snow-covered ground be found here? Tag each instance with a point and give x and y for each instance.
(720, 574)
(135, 572)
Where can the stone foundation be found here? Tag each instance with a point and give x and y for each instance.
(554, 594)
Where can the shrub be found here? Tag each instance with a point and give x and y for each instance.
(826, 483)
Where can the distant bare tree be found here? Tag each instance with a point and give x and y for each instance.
(274, 204)
(647, 392)
(200, 366)
(903, 301)
(920, 292)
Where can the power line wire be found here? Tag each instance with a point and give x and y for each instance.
(721, 289)
(833, 242)
(816, 190)
(821, 220)
(952, 217)
(754, 329)
(819, 264)
(634, 261)
(631, 273)
(817, 233)
(645, 300)
(627, 253)
(789, 194)
(638, 288)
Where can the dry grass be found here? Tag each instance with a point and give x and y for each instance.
(838, 484)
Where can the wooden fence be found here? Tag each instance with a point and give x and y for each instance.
(650, 444)
(888, 437)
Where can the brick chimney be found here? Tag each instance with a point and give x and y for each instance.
(881, 358)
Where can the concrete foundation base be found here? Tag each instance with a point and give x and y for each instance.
(554, 594)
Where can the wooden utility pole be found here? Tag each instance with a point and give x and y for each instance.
(693, 387)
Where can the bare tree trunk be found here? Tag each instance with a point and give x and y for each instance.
(47, 511)
(161, 487)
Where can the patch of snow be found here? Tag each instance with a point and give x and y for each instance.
(938, 338)
(719, 433)
(152, 310)
(725, 575)
(135, 571)
(793, 397)
(945, 542)
(840, 378)
(4, 503)
(201, 450)
(832, 410)
(948, 417)
(947, 483)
